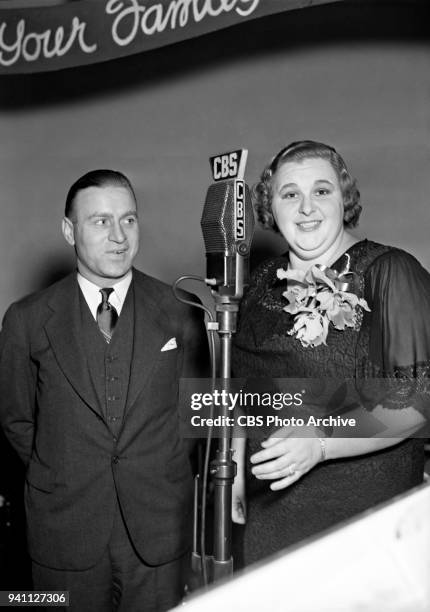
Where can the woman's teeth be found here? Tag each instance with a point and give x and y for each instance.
(308, 226)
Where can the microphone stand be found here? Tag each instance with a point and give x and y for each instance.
(227, 224)
(223, 469)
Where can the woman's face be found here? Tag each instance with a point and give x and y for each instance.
(307, 205)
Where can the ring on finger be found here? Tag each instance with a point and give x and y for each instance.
(291, 469)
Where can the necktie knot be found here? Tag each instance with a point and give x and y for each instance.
(107, 315)
(105, 304)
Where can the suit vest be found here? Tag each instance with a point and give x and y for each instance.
(109, 364)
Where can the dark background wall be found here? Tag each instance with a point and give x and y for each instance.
(353, 74)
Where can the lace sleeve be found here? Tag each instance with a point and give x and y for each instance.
(399, 346)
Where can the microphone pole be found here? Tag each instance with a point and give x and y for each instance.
(227, 226)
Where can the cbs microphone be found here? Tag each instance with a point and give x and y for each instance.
(228, 226)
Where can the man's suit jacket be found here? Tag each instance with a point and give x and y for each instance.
(51, 415)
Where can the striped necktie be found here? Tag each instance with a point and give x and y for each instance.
(107, 315)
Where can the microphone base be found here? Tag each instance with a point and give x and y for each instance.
(215, 570)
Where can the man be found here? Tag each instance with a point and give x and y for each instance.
(89, 372)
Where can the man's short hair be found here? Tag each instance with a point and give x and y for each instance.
(96, 178)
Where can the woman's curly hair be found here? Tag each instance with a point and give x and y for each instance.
(298, 152)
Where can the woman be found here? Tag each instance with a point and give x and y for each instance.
(299, 486)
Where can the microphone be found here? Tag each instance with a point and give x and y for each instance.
(228, 225)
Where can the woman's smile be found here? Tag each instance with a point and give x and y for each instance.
(308, 226)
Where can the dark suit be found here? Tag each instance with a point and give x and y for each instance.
(76, 468)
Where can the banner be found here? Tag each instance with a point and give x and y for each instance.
(38, 39)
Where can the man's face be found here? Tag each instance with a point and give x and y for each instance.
(105, 233)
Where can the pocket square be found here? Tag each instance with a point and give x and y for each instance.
(170, 345)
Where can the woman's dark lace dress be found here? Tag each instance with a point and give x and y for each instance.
(392, 340)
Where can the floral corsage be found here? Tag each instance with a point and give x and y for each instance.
(317, 298)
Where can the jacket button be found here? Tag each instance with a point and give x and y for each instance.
(115, 459)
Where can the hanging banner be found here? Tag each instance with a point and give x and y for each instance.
(37, 39)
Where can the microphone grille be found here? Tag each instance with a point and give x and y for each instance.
(218, 218)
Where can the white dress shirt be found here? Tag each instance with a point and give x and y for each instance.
(93, 297)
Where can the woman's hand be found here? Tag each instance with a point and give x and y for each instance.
(284, 458)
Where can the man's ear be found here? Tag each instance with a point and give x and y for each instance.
(68, 230)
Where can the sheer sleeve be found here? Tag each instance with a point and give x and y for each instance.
(398, 289)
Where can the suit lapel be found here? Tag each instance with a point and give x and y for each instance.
(63, 330)
(150, 334)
